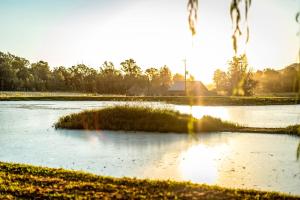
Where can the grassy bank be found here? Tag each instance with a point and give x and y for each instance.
(134, 118)
(290, 130)
(197, 100)
(28, 182)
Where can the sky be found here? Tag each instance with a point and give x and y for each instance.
(153, 32)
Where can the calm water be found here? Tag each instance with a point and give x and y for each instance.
(241, 160)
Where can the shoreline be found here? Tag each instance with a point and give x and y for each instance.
(180, 100)
(250, 130)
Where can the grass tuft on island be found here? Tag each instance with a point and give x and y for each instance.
(18, 181)
(137, 118)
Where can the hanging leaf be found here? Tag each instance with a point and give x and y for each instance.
(298, 152)
(248, 35)
(235, 15)
(234, 42)
(193, 15)
(247, 6)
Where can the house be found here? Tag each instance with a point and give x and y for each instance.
(194, 88)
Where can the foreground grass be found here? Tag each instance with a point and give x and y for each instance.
(135, 118)
(24, 181)
(196, 100)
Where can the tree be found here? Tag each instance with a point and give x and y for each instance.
(134, 81)
(165, 76)
(130, 68)
(108, 68)
(220, 80)
(110, 79)
(152, 73)
(153, 79)
(60, 79)
(270, 81)
(178, 77)
(238, 80)
(241, 82)
(83, 78)
(41, 75)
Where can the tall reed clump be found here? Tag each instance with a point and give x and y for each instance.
(136, 118)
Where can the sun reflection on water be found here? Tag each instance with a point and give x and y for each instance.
(200, 162)
(200, 111)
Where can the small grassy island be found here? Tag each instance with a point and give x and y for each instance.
(135, 118)
(18, 181)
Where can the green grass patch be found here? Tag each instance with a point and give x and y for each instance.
(136, 118)
(18, 181)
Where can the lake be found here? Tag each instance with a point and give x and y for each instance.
(238, 160)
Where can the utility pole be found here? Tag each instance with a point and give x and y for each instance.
(185, 91)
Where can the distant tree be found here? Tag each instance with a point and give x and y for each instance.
(241, 82)
(41, 75)
(290, 79)
(110, 79)
(270, 81)
(191, 78)
(221, 81)
(60, 79)
(130, 68)
(108, 68)
(238, 80)
(83, 78)
(153, 79)
(178, 77)
(135, 83)
(6, 73)
(165, 78)
(152, 73)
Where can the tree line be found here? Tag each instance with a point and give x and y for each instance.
(18, 74)
(240, 80)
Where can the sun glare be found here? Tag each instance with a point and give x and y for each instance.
(199, 162)
(200, 111)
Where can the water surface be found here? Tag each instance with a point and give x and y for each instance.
(258, 161)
